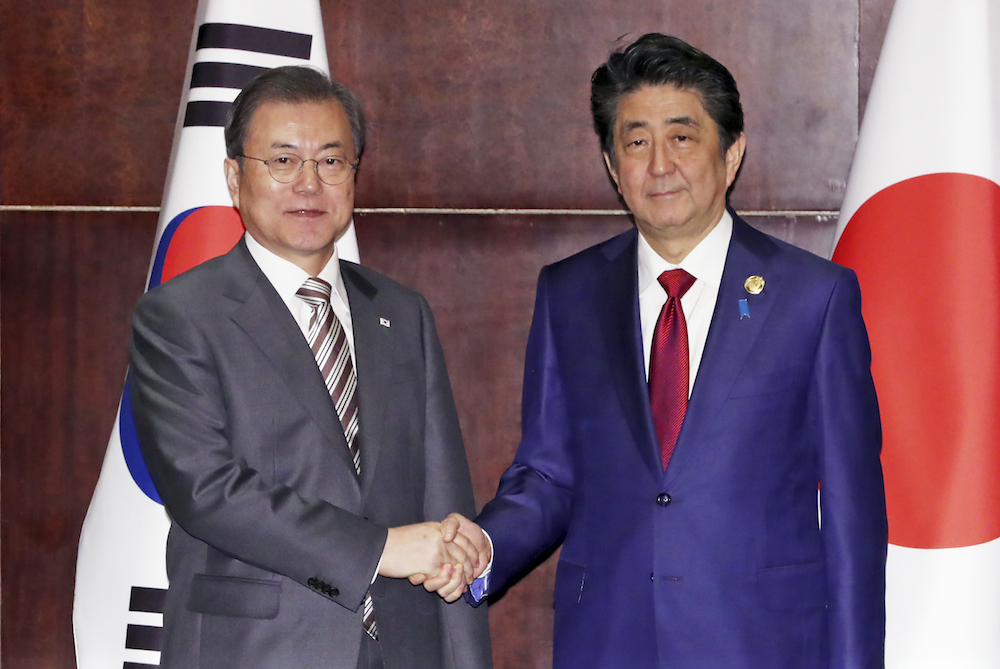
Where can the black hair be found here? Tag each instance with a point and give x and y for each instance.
(290, 84)
(657, 60)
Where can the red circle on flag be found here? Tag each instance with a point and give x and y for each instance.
(207, 232)
(927, 254)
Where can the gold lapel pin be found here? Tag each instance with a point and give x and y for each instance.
(754, 284)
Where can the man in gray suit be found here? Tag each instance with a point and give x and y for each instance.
(303, 493)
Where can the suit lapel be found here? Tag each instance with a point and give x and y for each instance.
(265, 319)
(730, 336)
(618, 314)
(373, 352)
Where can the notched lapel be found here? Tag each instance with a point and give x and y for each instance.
(265, 319)
(618, 314)
(373, 350)
(730, 337)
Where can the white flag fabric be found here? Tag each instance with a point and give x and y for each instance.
(120, 573)
(920, 224)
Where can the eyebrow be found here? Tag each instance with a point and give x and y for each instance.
(288, 145)
(682, 120)
(673, 120)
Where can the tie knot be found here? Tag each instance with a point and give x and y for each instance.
(315, 292)
(676, 282)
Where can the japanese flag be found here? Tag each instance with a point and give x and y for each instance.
(920, 224)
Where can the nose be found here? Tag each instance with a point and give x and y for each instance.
(661, 161)
(308, 180)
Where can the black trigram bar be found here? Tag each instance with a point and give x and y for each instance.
(252, 38)
(143, 637)
(206, 113)
(149, 600)
(139, 665)
(223, 75)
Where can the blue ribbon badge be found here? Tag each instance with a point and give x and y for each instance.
(744, 309)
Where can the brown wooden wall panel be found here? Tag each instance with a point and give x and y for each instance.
(486, 104)
(462, 114)
(90, 95)
(69, 283)
(479, 273)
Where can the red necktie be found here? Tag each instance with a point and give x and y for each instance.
(668, 363)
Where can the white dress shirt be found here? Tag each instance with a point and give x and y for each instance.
(705, 263)
(287, 278)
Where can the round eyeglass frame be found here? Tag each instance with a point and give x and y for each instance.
(302, 164)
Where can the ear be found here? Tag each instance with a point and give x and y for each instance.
(734, 158)
(233, 176)
(613, 171)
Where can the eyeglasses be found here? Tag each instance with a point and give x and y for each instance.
(287, 167)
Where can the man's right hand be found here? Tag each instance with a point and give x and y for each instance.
(418, 549)
(460, 531)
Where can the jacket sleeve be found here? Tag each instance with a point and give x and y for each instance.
(843, 412)
(211, 492)
(531, 511)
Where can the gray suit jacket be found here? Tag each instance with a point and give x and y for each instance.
(274, 538)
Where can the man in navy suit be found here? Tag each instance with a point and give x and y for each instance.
(683, 486)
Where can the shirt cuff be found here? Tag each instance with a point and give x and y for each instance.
(481, 586)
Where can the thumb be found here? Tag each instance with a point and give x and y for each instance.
(449, 528)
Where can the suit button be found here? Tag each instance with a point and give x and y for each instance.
(663, 499)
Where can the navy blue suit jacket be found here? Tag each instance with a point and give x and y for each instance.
(734, 570)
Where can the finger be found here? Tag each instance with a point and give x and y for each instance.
(475, 534)
(449, 528)
(455, 595)
(417, 579)
(475, 558)
(452, 590)
(468, 547)
(462, 559)
(441, 579)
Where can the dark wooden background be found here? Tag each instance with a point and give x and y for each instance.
(473, 105)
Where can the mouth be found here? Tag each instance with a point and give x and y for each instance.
(306, 213)
(664, 190)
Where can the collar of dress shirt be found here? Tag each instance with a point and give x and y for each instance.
(705, 262)
(287, 277)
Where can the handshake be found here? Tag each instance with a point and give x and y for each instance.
(445, 557)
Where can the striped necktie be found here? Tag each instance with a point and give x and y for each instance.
(328, 342)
